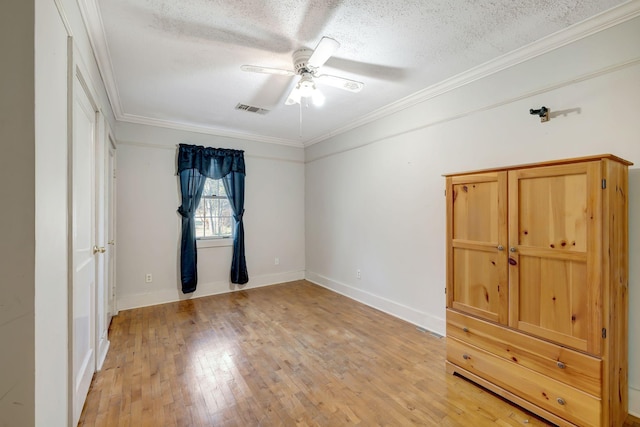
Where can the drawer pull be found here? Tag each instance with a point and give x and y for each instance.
(465, 329)
(466, 357)
(561, 401)
(561, 365)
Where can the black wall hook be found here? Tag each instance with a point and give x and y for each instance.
(543, 112)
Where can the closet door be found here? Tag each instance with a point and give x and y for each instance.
(83, 244)
(555, 221)
(477, 259)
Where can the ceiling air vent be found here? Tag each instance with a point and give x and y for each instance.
(251, 109)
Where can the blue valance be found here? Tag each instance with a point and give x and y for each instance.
(213, 163)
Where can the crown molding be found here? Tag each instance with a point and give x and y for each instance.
(63, 17)
(124, 143)
(208, 130)
(94, 26)
(466, 113)
(600, 22)
(95, 29)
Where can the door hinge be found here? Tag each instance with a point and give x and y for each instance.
(445, 193)
(445, 291)
(604, 184)
(604, 332)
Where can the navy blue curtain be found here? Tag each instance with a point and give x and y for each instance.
(195, 164)
(191, 186)
(234, 186)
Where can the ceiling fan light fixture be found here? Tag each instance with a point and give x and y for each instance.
(294, 97)
(318, 98)
(306, 86)
(306, 64)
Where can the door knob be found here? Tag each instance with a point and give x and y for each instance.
(102, 249)
(111, 242)
(512, 249)
(500, 248)
(95, 249)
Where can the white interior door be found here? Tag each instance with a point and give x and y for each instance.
(83, 241)
(112, 309)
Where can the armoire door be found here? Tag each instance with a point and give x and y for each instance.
(477, 281)
(554, 248)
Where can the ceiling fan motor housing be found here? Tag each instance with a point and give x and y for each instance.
(300, 59)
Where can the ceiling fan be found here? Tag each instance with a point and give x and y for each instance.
(306, 64)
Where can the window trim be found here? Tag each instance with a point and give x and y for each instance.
(214, 242)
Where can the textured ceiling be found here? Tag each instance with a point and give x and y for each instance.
(177, 63)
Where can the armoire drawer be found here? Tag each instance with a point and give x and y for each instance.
(562, 364)
(559, 398)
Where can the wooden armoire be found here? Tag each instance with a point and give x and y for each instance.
(537, 281)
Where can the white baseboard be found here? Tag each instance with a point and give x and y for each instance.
(102, 354)
(634, 401)
(126, 302)
(419, 318)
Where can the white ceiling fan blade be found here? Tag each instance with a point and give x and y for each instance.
(340, 82)
(266, 70)
(323, 52)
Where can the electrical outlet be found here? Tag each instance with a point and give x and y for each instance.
(358, 274)
(148, 278)
(276, 261)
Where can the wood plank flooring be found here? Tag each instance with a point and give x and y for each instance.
(287, 355)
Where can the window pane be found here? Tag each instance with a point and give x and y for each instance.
(214, 215)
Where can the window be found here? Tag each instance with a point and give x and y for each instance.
(214, 217)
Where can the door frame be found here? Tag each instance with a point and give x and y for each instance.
(111, 205)
(101, 221)
(78, 71)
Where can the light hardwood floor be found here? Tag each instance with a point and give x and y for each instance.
(287, 355)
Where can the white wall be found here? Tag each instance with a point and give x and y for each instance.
(481, 125)
(51, 308)
(33, 221)
(17, 242)
(375, 195)
(148, 231)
